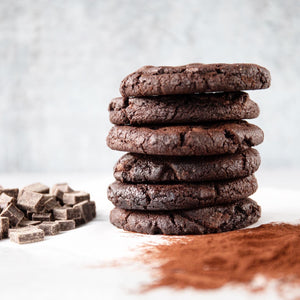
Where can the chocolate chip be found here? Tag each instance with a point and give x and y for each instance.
(4, 226)
(42, 217)
(14, 215)
(24, 235)
(66, 213)
(49, 228)
(5, 200)
(65, 225)
(87, 210)
(59, 189)
(75, 197)
(25, 223)
(31, 201)
(37, 187)
(10, 192)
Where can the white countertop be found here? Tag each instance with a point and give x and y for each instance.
(66, 265)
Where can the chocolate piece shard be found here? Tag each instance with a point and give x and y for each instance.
(28, 215)
(4, 226)
(10, 192)
(5, 200)
(31, 201)
(24, 235)
(66, 213)
(42, 217)
(50, 203)
(60, 188)
(79, 222)
(87, 210)
(65, 225)
(75, 197)
(64, 187)
(25, 223)
(49, 228)
(37, 187)
(14, 215)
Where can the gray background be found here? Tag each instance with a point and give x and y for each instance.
(62, 62)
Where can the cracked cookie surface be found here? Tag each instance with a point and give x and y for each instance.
(194, 78)
(208, 139)
(213, 219)
(182, 109)
(138, 168)
(180, 196)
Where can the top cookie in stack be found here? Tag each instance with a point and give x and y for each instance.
(191, 162)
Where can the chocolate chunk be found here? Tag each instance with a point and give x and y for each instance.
(65, 225)
(59, 189)
(50, 203)
(66, 213)
(25, 223)
(4, 226)
(14, 215)
(75, 197)
(10, 192)
(31, 201)
(37, 187)
(24, 235)
(79, 222)
(49, 228)
(5, 200)
(42, 217)
(64, 187)
(87, 209)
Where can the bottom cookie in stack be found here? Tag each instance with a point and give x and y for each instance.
(184, 208)
(214, 219)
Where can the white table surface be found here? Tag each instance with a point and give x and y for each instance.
(66, 265)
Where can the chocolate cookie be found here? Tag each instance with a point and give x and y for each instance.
(209, 139)
(194, 78)
(179, 196)
(180, 109)
(137, 168)
(198, 221)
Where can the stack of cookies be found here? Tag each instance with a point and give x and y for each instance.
(190, 164)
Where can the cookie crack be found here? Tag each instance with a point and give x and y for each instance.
(182, 138)
(244, 159)
(173, 171)
(195, 221)
(126, 217)
(172, 219)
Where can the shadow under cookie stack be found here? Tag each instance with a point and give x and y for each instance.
(190, 164)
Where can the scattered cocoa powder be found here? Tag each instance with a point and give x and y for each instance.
(212, 261)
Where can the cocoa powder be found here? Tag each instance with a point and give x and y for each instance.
(212, 261)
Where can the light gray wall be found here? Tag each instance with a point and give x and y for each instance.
(62, 61)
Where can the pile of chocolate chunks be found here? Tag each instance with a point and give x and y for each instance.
(27, 215)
